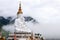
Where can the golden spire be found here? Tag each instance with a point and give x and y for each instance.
(19, 10)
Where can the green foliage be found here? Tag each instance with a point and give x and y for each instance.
(1, 27)
(5, 33)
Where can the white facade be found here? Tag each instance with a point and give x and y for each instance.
(20, 24)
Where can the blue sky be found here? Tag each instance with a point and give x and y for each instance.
(46, 12)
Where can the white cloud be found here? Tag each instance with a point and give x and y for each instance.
(47, 12)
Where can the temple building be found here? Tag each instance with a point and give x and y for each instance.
(22, 32)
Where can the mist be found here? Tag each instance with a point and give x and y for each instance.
(46, 12)
(47, 31)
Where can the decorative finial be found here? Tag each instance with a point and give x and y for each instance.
(20, 4)
(19, 10)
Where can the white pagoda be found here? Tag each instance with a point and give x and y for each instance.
(21, 30)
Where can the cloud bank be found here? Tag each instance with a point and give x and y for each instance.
(46, 12)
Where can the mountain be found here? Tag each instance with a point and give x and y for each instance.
(28, 18)
(9, 20)
(4, 21)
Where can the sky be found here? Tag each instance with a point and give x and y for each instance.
(46, 12)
